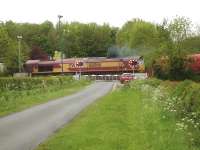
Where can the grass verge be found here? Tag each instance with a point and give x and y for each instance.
(122, 120)
(20, 100)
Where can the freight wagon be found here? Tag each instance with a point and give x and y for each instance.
(194, 63)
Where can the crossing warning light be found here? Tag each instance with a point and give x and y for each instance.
(133, 63)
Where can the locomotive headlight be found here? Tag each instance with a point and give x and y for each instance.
(79, 63)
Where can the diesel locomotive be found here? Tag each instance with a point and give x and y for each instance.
(89, 66)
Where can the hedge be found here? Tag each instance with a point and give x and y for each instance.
(28, 83)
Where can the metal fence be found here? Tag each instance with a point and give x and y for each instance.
(109, 77)
(102, 77)
(113, 77)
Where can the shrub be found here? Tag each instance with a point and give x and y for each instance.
(189, 97)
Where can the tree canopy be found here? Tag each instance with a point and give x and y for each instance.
(75, 39)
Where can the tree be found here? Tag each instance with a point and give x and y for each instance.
(191, 44)
(39, 35)
(5, 42)
(142, 36)
(9, 51)
(87, 40)
(57, 55)
(177, 66)
(47, 38)
(180, 29)
(38, 54)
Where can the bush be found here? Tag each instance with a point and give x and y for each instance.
(189, 97)
(174, 67)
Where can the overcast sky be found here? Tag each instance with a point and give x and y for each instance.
(114, 12)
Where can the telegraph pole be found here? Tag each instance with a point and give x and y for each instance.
(59, 30)
(19, 37)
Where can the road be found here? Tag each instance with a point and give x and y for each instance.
(26, 129)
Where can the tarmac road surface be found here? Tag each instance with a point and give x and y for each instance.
(26, 129)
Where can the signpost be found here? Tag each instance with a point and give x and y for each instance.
(133, 63)
(19, 37)
(79, 64)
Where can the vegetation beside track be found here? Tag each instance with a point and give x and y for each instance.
(131, 118)
(17, 94)
(179, 99)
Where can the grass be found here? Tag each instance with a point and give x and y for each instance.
(122, 120)
(20, 100)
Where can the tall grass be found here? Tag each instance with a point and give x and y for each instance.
(127, 119)
(180, 99)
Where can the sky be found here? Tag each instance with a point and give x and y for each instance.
(114, 12)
